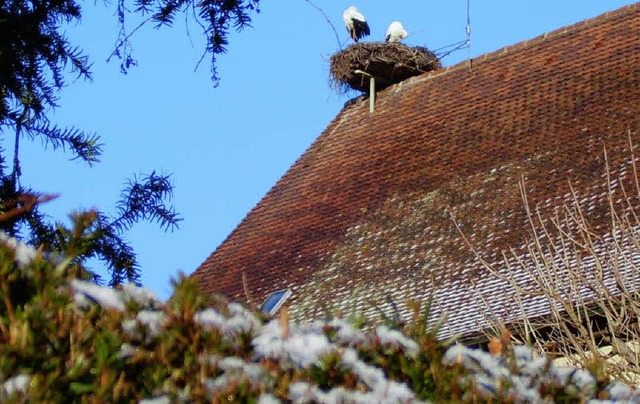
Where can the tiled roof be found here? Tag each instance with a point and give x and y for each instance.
(376, 208)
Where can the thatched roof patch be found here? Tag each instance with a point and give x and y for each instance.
(389, 63)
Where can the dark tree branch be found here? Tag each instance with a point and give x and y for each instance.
(328, 21)
(215, 17)
(35, 58)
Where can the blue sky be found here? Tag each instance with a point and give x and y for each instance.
(226, 147)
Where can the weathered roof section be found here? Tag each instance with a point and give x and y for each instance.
(376, 208)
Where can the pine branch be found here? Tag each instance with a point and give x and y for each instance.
(120, 258)
(216, 17)
(145, 199)
(83, 145)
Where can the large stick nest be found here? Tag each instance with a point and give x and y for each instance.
(389, 63)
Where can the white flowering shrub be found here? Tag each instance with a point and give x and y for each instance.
(64, 339)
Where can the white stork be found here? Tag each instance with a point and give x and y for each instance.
(396, 32)
(356, 23)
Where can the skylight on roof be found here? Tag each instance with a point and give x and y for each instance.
(274, 301)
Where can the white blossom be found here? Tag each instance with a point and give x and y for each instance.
(106, 297)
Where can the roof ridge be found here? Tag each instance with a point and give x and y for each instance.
(518, 46)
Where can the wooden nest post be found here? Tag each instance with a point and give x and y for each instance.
(372, 89)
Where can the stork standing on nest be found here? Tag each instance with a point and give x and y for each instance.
(356, 23)
(396, 32)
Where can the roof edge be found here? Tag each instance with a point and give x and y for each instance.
(486, 57)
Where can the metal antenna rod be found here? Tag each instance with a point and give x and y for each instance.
(468, 29)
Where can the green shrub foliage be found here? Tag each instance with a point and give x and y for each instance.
(65, 339)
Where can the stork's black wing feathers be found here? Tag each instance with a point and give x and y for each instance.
(361, 28)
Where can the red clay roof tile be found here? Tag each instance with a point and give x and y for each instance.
(366, 212)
